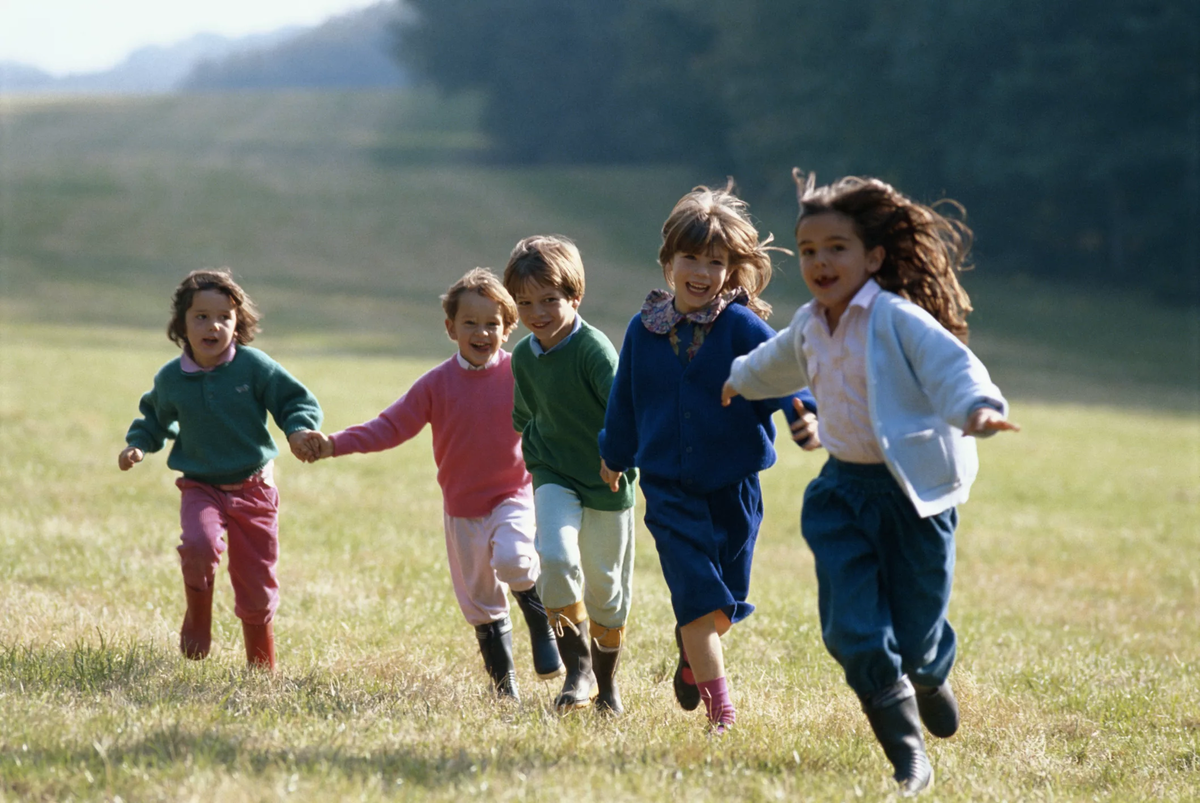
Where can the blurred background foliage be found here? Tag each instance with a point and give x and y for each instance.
(1070, 130)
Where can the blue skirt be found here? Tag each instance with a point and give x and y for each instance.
(705, 545)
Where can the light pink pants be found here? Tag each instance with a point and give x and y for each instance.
(490, 554)
(246, 523)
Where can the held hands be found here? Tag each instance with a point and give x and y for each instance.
(985, 420)
(611, 478)
(309, 446)
(129, 456)
(804, 428)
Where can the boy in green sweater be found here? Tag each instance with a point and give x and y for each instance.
(213, 401)
(563, 372)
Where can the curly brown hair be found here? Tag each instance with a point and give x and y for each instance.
(220, 279)
(924, 250)
(708, 217)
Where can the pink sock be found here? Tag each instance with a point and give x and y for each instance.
(715, 694)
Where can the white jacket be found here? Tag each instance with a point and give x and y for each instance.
(922, 385)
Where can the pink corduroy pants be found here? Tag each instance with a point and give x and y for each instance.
(243, 522)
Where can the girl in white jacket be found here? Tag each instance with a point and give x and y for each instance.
(882, 346)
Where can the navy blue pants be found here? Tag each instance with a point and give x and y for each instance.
(883, 577)
(705, 545)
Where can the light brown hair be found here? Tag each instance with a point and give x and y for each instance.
(547, 259)
(924, 250)
(707, 217)
(219, 279)
(486, 284)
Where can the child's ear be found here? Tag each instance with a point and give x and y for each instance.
(804, 185)
(450, 330)
(875, 259)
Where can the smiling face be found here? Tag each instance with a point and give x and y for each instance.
(834, 261)
(698, 278)
(478, 328)
(211, 325)
(547, 312)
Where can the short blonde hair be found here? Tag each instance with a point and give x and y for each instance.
(547, 259)
(486, 284)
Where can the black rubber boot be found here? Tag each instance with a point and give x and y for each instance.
(688, 694)
(577, 658)
(605, 661)
(897, 726)
(938, 708)
(546, 662)
(495, 642)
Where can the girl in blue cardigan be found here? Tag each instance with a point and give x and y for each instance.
(883, 347)
(699, 461)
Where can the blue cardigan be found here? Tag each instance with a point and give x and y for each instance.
(667, 420)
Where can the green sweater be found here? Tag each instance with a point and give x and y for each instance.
(218, 418)
(558, 407)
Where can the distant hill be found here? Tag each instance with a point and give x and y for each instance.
(351, 51)
(148, 70)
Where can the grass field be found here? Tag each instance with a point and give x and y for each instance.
(1078, 587)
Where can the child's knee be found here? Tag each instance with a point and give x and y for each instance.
(515, 568)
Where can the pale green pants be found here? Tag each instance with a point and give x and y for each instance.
(586, 555)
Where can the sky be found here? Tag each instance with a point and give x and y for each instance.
(72, 36)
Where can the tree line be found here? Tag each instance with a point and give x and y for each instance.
(1070, 130)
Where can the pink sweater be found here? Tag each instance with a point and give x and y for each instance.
(477, 451)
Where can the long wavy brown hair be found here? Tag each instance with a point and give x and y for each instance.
(924, 250)
(708, 217)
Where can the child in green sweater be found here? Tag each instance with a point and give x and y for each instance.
(213, 401)
(563, 372)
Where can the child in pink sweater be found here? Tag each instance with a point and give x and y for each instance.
(486, 491)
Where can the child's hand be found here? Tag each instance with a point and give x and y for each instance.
(611, 478)
(804, 428)
(728, 391)
(322, 443)
(984, 420)
(305, 447)
(129, 455)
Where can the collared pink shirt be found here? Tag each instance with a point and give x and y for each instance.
(190, 366)
(837, 365)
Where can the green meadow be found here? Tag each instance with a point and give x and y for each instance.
(1077, 595)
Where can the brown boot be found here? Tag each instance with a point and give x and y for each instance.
(195, 636)
(260, 645)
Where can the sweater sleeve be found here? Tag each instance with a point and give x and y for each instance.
(150, 432)
(619, 438)
(601, 367)
(776, 367)
(290, 403)
(758, 333)
(406, 416)
(953, 378)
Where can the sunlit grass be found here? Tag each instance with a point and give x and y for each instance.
(1077, 604)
